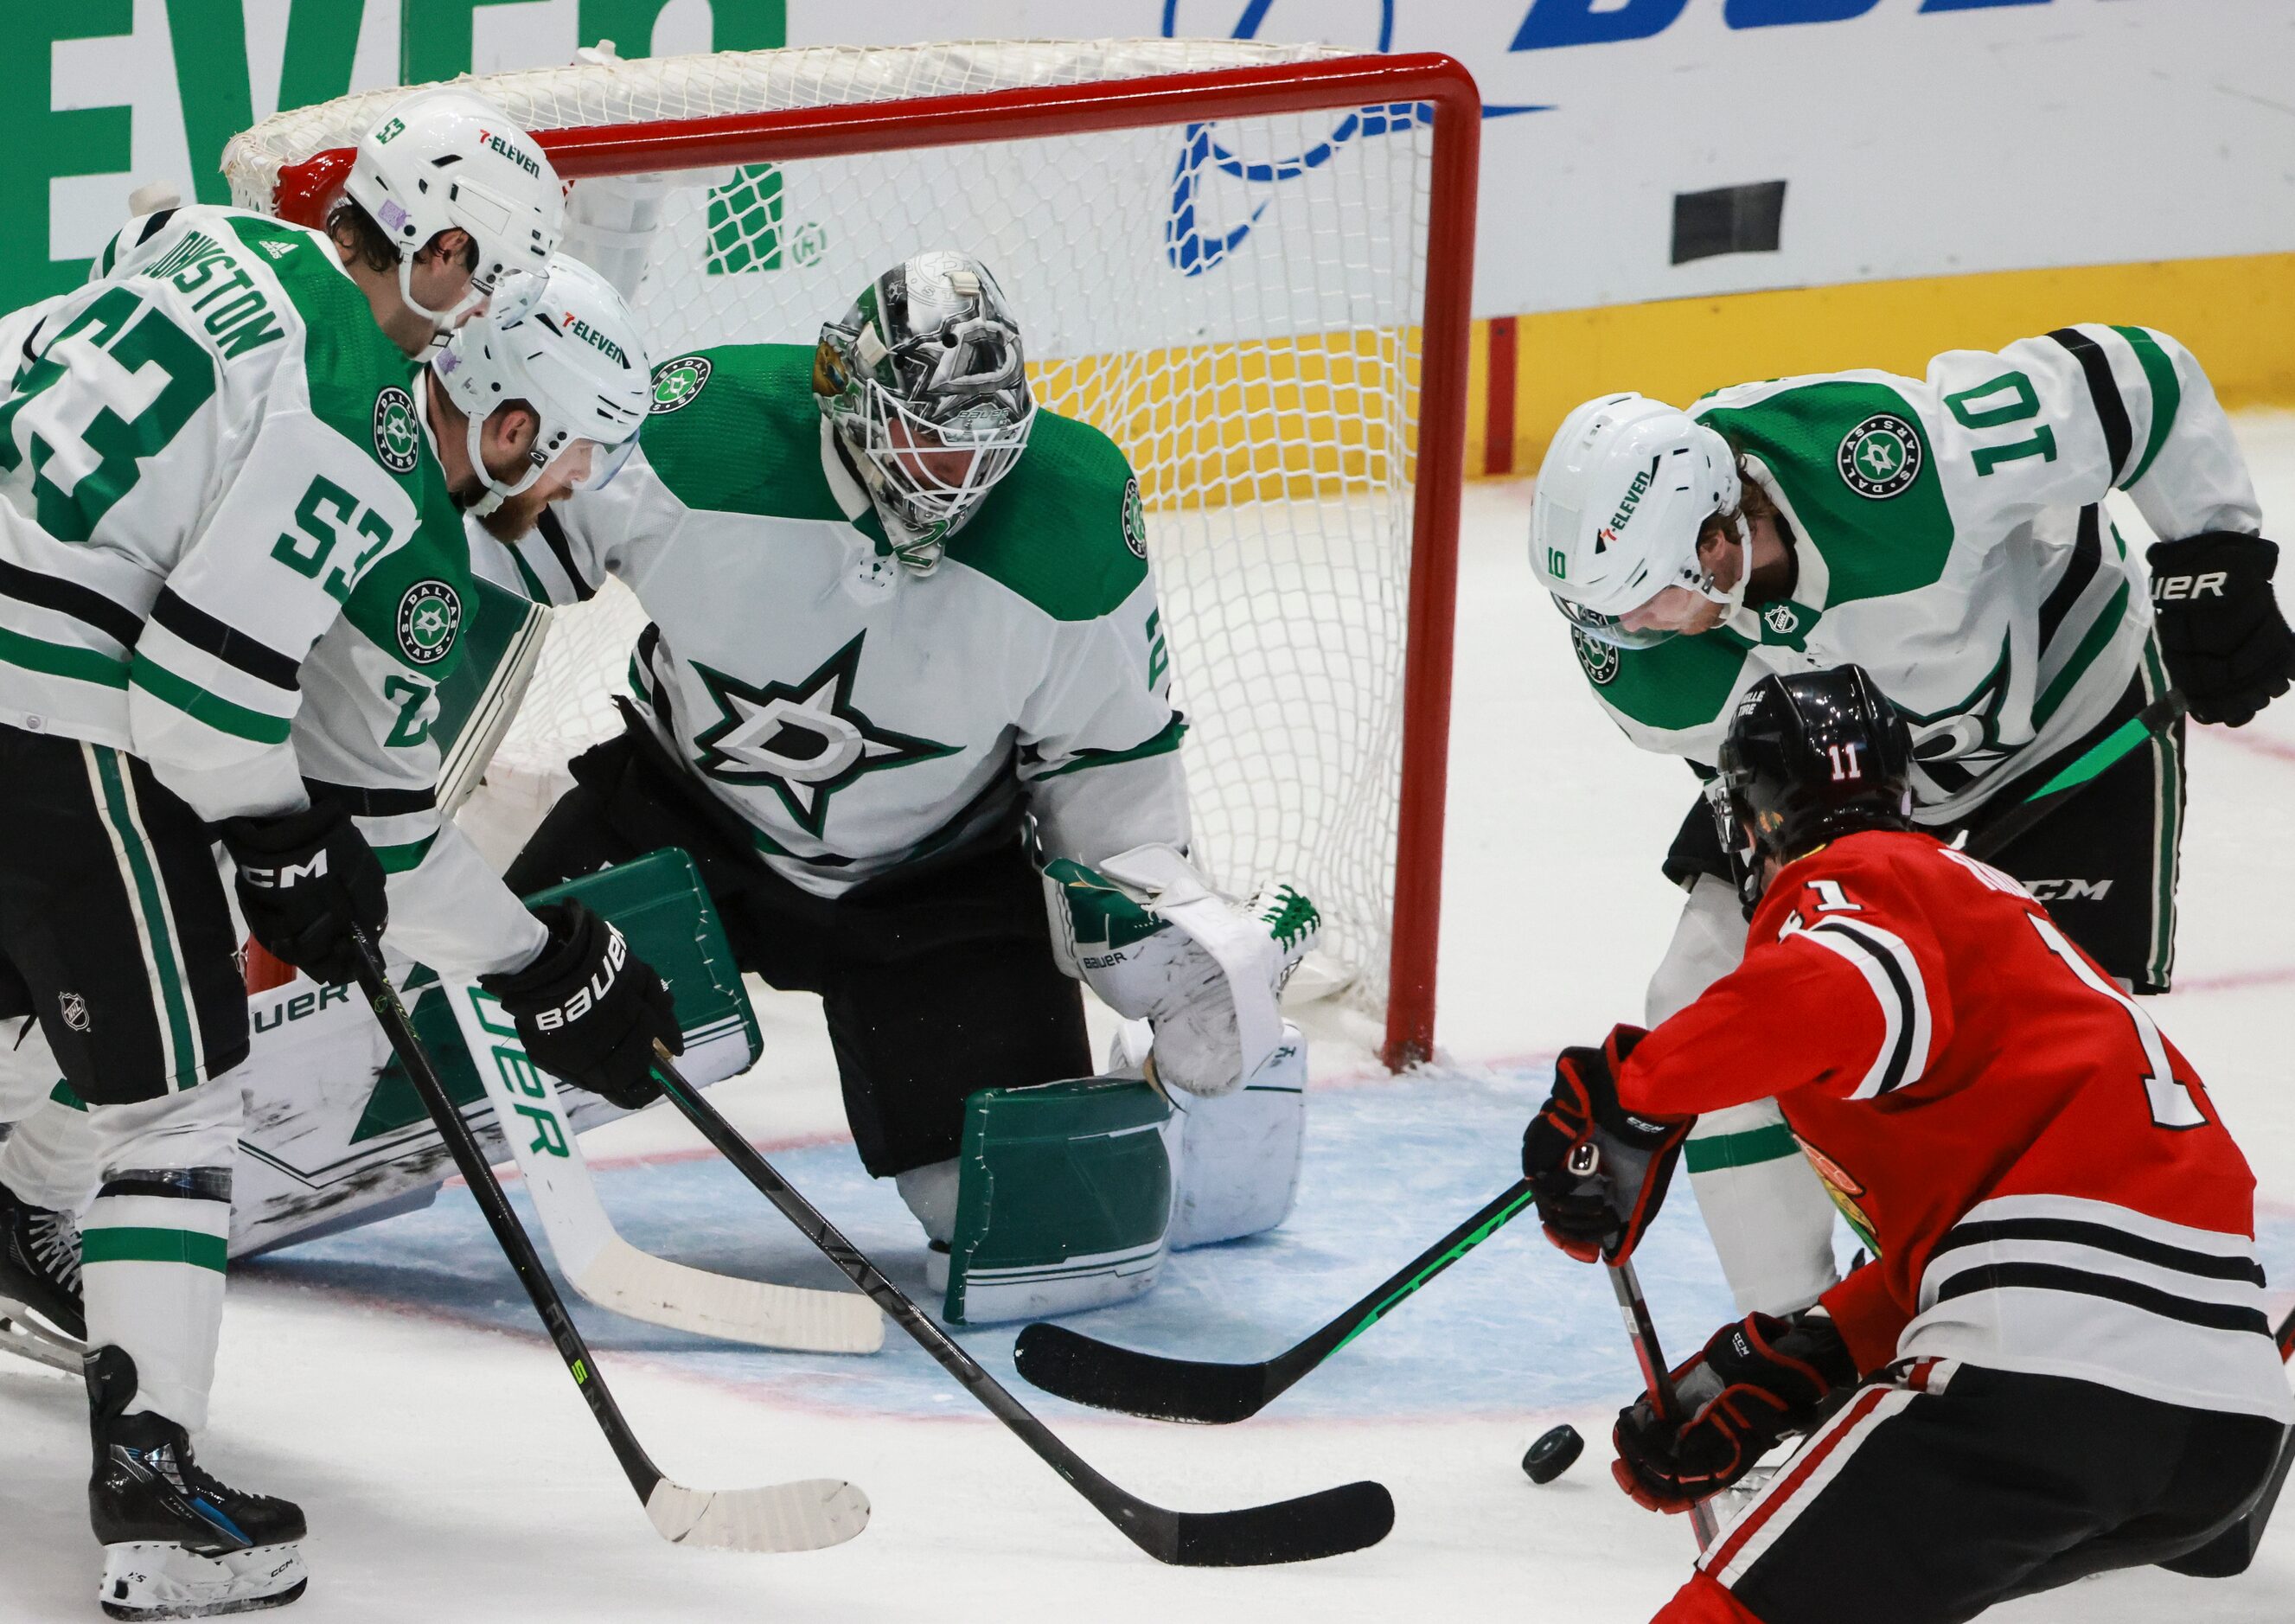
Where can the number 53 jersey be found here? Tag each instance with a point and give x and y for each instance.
(226, 548)
(1948, 537)
(2044, 1183)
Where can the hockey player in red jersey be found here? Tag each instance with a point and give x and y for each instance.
(2058, 1361)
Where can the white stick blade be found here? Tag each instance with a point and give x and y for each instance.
(792, 1318)
(21, 1334)
(808, 1515)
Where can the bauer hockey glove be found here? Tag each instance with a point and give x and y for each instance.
(1754, 1384)
(305, 878)
(2227, 645)
(1598, 1211)
(588, 1009)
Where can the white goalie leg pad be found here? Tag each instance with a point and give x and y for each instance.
(1235, 1157)
(1769, 1217)
(145, 1579)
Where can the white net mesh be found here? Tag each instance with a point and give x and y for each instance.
(1236, 305)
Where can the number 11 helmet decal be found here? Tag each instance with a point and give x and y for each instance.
(1808, 758)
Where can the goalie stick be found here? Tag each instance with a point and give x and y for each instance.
(614, 1273)
(798, 1516)
(1325, 1523)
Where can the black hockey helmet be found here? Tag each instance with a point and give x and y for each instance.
(1808, 758)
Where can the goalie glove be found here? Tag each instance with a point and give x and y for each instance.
(1149, 936)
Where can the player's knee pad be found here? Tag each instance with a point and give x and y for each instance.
(192, 1128)
(1708, 941)
(1064, 1195)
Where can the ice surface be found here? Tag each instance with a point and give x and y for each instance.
(391, 1379)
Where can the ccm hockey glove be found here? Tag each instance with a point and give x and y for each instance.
(588, 1009)
(305, 878)
(1755, 1382)
(2227, 645)
(1598, 1171)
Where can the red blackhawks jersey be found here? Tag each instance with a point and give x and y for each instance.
(2042, 1180)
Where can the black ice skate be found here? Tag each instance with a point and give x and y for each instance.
(178, 1544)
(39, 1263)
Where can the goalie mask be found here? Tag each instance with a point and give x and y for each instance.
(925, 385)
(1625, 491)
(566, 345)
(443, 159)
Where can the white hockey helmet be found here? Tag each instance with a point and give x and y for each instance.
(565, 343)
(444, 159)
(1626, 487)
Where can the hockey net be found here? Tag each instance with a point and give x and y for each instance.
(1235, 259)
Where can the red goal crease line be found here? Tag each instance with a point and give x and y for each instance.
(1035, 111)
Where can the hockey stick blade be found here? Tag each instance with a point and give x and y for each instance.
(1084, 1370)
(1316, 1525)
(783, 1517)
(1329, 1522)
(802, 1516)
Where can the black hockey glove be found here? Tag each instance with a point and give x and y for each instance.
(588, 1009)
(2227, 645)
(1755, 1382)
(1598, 1171)
(305, 878)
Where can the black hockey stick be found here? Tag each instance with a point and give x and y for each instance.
(2077, 775)
(1321, 1524)
(1087, 1371)
(1657, 1376)
(798, 1516)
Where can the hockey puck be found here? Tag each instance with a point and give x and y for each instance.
(1554, 1454)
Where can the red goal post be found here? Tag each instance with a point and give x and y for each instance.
(1034, 111)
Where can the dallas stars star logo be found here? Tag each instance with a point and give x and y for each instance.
(803, 739)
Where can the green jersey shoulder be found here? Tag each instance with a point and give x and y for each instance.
(735, 430)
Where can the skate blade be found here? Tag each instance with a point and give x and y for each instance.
(147, 1579)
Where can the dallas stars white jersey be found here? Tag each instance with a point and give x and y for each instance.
(225, 548)
(856, 715)
(1947, 539)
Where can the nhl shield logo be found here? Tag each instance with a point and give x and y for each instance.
(397, 443)
(1881, 456)
(429, 614)
(75, 1010)
(676, 382)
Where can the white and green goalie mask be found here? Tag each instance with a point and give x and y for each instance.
(924, 383)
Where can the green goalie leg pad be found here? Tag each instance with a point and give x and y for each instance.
(1064, 1193)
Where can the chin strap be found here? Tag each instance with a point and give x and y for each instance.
(497, 492)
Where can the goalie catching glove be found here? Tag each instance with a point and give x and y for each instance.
(1148, 934)
(588, 1009)
(1755, 1382)
(1597, 1170)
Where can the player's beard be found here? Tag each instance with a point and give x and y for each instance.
(514, 518)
